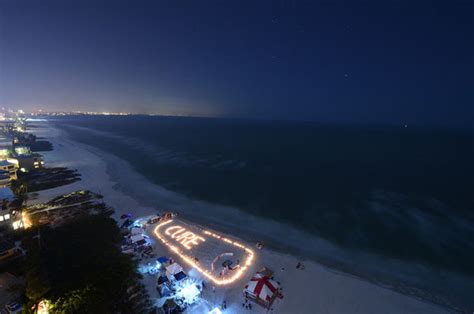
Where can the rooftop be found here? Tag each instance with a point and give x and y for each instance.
(6, 193)
(5, 163)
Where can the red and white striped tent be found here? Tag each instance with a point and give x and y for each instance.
(262, 289)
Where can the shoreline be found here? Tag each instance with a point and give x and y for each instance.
(98, 176)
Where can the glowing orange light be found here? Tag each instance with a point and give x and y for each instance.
(26, 221)
(43, 307)
(187, 238)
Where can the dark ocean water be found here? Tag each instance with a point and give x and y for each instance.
(405, 193)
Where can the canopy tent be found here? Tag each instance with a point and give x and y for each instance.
(136, 231)
(137, 238)
(174, 268)
(262, 290)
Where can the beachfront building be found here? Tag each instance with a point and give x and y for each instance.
(10, 168)
(24, 159)
(22, 139)
(6, 125)
(22, 150)
(19, 126)
(7, 169)
(19, 157)
(5, 180)
(5, 150)
(7, 214)
(28, 162)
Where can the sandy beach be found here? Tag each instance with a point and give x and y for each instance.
(316, 289)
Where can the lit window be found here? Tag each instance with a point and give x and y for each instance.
(7, 216)
(1, 218)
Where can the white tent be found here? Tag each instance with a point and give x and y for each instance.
(174, 269)
(137, 238)
(136, 231)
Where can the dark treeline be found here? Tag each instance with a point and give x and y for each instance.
(79, 268)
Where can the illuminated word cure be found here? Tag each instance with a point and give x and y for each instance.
(183, 236)
(170, 233)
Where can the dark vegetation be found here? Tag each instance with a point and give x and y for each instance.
(79, 268)
(73, 257)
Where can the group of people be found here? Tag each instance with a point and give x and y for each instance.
(247, 304)
(300, 265)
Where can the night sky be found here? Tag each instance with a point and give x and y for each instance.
(360, 61)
